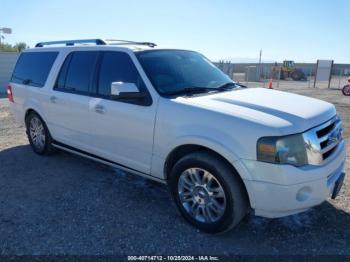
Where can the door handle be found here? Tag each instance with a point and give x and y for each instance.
(100, 109)
(53, 99)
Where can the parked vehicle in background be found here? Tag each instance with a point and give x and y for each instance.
(346, 89)
(172, 116)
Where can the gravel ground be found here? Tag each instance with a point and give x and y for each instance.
(64, 204)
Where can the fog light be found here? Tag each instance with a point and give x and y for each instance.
(304, 193)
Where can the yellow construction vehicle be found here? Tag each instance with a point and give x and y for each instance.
(288, 71)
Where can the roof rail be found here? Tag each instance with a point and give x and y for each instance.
(127, 42)
(72, 42)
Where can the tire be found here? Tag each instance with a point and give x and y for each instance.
(296, 75)
(231, 201)
(346, 90)
(38, 134)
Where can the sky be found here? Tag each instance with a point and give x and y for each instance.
(299, 30)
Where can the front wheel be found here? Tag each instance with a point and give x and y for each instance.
(208, 192)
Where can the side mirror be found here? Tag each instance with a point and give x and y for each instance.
(123, 90)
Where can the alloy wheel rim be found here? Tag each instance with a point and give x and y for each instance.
(201, 195)
(37, 133)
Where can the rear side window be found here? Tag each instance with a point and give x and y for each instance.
(117, 67)
(77, 72)
(33, 68)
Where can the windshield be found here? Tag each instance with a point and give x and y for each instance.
(173, 71)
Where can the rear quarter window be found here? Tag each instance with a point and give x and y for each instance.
(33, 68)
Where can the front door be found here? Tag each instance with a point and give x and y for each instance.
(122, 131)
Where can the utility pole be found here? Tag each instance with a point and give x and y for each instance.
(259, 70)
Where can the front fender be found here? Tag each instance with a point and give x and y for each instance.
(204, 141)
(159, 159)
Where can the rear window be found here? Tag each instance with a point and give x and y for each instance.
(33, 68)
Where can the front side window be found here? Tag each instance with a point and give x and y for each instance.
(117, 67)
(33, 68)
(77, 71)
(172, 71)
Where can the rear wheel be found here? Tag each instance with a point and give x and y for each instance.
(38, 134)
(208, 192)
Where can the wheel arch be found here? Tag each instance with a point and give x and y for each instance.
(181, 150)
(28, 111)
(32, 110)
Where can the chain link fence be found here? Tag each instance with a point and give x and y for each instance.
(299, 75)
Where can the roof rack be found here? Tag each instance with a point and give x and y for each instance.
(72, 42)
(94, 41)
(127, 42)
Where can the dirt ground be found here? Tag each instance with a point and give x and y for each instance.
(64, 204)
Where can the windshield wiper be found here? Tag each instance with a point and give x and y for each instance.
(191, 91)
(229, 86)
(198, 90)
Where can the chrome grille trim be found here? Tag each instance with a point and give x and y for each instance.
(329, 147)
(317, 152)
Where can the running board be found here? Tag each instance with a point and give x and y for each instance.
(106, 162)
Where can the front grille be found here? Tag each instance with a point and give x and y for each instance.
(324, 144)
(328, 153)
(329, 135)
(325, 130)
(322, 141)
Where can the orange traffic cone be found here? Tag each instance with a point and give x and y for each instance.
(270, 84)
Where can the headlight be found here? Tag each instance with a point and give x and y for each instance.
(283, 150)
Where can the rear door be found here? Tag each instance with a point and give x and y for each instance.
(70, 98)
(122, 131)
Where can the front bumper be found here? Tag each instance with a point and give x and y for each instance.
(281, 190)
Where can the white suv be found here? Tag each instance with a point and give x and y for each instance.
(172, 116)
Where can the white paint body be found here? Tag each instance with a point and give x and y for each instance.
(229, 123)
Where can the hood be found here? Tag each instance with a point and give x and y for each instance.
(288, 112)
